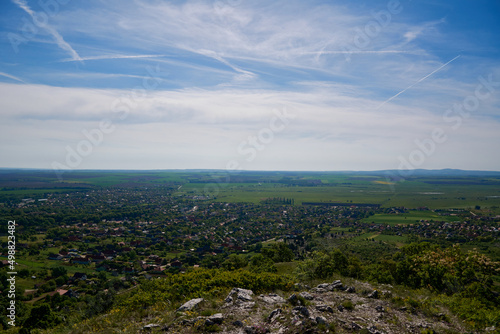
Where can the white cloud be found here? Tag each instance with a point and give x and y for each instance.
(204, 128)
(55, 34)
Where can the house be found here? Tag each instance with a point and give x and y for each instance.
(71, 294)
(79, 276)
(97, 258)
(80, 260)
(57, 257)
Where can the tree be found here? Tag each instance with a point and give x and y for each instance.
(41, 317)
(260, 263)
(59, 271)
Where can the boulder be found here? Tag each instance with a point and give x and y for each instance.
(306, 295)
(301, 310)
(373, 294)
(272, 298)
(274, 314)
(217, 318)
(188, 306)
(337, 285)
(321, 321)
(243, 295)
(324, 308)
(150, 326)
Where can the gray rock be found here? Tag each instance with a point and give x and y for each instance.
(337, 285)
(294, 300)
(188, 306)
(301, 310)
(272, 298)
(274, 314)
(380, 308)
(250, 330)
(319, 290)
(324, 286)
(356, 327)
(238, 323)
(239, 294)
(351, 289)
(217, 318)
(306, 295)
(340, 308)
(324, 308)
(373, 294)
(150, 326)
(321, 321)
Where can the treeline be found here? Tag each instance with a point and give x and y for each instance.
(464, 279)
(278, 200)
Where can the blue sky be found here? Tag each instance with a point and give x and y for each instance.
(257, 85)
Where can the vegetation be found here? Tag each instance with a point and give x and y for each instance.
(127, 244)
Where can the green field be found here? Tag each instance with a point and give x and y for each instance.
(411, 217)
(433, 191)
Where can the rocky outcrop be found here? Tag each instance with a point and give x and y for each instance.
(188, 306)
(326, 307)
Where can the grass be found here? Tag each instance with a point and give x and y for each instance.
(410, 194)
(411, 217)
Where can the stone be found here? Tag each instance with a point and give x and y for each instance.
(150, 326)
(356, 327)
(238, 323)
(336, 285)
(380, 308)
(301, 310)
(217, 318)
(274, 314)
(306, 295)
(340, 308)
(239, 294)
(324, 308)
(351, 289)
(324, 286)
(373, 294)
(272, 298)
(294, 300)
(321, 321)
(250, 330)
(188, 306)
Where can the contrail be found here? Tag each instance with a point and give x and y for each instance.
(11, 77)
(103, 57)
(59, 39)
(404, 90)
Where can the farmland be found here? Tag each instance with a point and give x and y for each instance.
(119, 229)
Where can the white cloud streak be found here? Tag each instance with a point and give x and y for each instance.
(417, 82)
(11, 77)
(57, 37)
(115, 56)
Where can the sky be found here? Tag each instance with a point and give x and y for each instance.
(255, 85)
